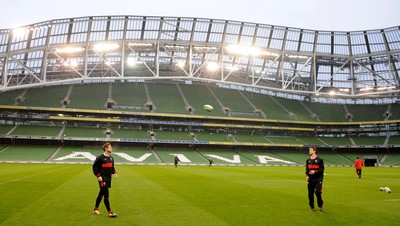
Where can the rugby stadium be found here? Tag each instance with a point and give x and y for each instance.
(141, 83)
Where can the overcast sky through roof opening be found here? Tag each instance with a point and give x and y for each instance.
(338, 15)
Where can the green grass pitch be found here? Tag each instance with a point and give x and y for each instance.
(58, 194)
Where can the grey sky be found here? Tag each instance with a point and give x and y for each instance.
(332, 15)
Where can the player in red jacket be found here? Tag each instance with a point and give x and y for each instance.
(358, 164)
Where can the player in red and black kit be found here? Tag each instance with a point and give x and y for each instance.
(176, 161)
(103, 168)
(315, 176)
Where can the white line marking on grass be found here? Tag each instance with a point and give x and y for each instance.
(34, 175)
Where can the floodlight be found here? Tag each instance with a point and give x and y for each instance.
(366, 89)
(105, 47)
(181, 64)
(244, 50)
(212, 66)
(332, 93)
(386, 88)
(132, 61)
(141, 44)
(73, 63)
(298, 56)
(232, 68)
(70, 50)
(19, 32)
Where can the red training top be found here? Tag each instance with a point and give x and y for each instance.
(358, 164)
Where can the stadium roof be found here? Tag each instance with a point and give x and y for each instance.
(298, 63)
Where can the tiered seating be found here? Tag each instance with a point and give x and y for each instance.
(172, 135)
(392, 159)
(284, 140)
(163, 155)
(36, 131)
(293, 156)
(232, 99)
(135, 155)
(256, 138)
(328, 112)
(167, 156)
(337, 141)
(220, 137)
(335, 159)
(166, 98)
(84, 132)
(395, 109)
(45, 97)
(130, 134)
(268, 106)
(8, 98)
(4, 129)
(352, 155)
(129, 94)
(311, 141)
(394, 140)
(229, 155)
(253, 156)
(369, 140)
(27, 153)
(89, 96)
(295, 107)
(67, 150)
(198, 96)
(366, 113)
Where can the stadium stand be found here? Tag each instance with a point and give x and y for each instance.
(166, 98)
(366, 113)
(84, 132)
(36, 130)
(4, 129)
(198, 101)
(275, 104)
(336, 141)
(130, 133)
(129, 97)
(328, 112)
(369, 140)
(392, 159)
(45, 97)
(26, 153)
(89, 96)
(271, 109)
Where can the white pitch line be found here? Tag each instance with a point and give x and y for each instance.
(392, 200)
(34, 175)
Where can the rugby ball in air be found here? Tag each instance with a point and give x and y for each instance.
(208, 108)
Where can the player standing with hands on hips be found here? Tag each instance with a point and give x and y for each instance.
(103, 168)
(315, 176)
